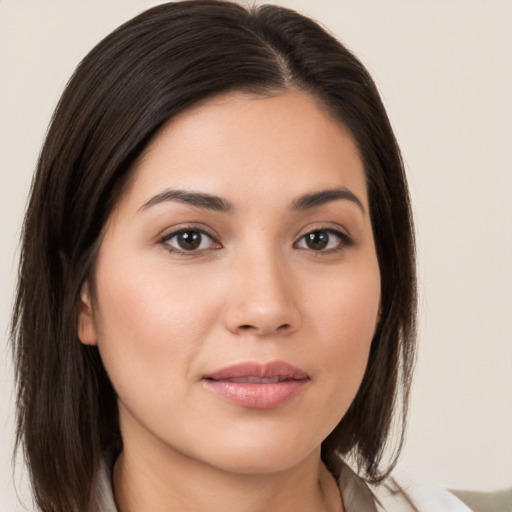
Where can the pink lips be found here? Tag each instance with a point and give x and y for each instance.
(257, 386)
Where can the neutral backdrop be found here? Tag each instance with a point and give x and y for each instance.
(445, 74)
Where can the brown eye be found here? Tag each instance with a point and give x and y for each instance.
(323, 240)
(188, 240)
(317, 240)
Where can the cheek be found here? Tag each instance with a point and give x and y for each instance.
(345, 317)
(149, 327)
(346, 304)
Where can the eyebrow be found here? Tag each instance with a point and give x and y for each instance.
(198, 199)
(326, 196)
(211, 202)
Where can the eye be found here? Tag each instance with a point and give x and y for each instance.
(323, 240)
(189, 241)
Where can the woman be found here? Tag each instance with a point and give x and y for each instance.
(216, 304)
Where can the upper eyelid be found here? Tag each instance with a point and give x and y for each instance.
(336, 232)
(176, 230)
(323, 226)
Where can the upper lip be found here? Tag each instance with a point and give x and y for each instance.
(279, 370)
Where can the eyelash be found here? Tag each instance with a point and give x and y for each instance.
(183, 252)
(344, 241)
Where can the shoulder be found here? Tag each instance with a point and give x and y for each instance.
(397, 497)
(393, 496)
(102, 497)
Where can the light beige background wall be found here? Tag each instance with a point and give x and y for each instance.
(444, 70)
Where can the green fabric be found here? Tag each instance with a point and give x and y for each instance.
(499, 501)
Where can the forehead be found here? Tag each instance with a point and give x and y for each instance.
(247, 146)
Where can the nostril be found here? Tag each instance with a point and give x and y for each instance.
(249, 327)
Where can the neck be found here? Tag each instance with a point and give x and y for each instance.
(166, 481)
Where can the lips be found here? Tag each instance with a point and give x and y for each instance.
(257, 386)
(256, 380)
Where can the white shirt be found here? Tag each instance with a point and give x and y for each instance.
(357, 496)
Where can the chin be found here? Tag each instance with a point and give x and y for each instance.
(259, 454)
(256, 464)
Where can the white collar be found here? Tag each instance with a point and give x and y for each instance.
(356, 495)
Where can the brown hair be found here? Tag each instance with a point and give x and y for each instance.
(124, 90)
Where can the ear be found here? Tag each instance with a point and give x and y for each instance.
(86, 328)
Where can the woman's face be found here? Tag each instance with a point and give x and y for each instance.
(237, 288)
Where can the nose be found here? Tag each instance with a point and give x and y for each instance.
(262, 298)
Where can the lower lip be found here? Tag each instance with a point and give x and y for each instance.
(256, 395)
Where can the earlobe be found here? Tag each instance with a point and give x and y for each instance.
(86, 325)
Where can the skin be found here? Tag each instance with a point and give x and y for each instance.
(254, 290)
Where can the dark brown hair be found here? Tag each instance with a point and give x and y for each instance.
(125, 89)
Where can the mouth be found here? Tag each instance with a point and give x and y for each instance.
(258, 386)
(256, 380)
